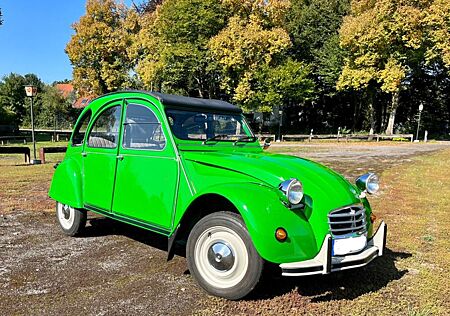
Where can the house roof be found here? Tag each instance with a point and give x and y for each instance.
(82, 102)
(65, 88)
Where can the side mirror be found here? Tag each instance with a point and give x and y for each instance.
(266, 143)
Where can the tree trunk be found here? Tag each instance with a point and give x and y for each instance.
(392, 111)
(370, 111)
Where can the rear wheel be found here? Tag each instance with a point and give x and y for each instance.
(221, 256)
(71, 220)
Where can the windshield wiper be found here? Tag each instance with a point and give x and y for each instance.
(216, 137)
(246, 138)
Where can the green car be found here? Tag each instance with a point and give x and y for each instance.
(192, 170)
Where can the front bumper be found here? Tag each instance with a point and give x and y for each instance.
(325, 263)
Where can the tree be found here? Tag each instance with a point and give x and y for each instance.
(437, 29)
(172, 46)
(54, 106)
(98, 50)
(383, 40)
(282, 85)
(270, 13)
(12, 99)
(1, 17)
(14, 105)
(243, 49)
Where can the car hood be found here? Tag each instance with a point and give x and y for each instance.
(275, 168)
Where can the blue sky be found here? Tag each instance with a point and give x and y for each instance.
(34, 34)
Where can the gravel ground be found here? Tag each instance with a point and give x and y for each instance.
(117, 269)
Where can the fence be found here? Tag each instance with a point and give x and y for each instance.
(338, 137)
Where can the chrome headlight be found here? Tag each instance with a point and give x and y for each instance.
(293, 189)
(368, 182)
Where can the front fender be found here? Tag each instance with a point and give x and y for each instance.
(66, 183)
(263, 212)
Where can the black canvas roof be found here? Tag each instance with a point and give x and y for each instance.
(178, 101)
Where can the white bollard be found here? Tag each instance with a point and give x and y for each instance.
(425, 138)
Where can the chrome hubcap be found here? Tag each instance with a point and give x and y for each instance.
(220, 256)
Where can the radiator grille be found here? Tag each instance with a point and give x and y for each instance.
(347, 220)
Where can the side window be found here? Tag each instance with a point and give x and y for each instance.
(105, 130)
(142, 130)
(80, 129)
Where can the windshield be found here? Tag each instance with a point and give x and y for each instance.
(189, 125)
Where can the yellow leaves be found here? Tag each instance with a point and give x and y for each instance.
(241, 48)
(98, 49)
(437, 21)
(243, 91)
(355, 78)
(247, 44)
(272, 10)
(381, 37)
(391, 76)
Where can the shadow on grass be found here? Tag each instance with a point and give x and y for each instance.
(348, 284)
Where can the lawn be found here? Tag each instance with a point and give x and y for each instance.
(411, 279)
(414, 276)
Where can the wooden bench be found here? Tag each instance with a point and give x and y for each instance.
(16, 150)
(7, 139)
(50, 150)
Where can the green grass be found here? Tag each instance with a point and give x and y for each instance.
(412, 280)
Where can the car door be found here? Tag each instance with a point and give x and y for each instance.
(147, 168)
(100, 158)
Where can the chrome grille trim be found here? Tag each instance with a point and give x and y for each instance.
(347, 220)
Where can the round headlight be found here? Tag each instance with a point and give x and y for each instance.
(293, 189)
(368, 182)
(373, 184)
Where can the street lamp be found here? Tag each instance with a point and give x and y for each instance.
(31, 92)
(280, 123)
(418, 121)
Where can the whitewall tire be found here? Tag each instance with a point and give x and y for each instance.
(221, 256)
(70, 219)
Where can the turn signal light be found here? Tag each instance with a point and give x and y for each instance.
(281, 234)
(373, 218)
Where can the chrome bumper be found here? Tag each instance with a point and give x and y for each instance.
(325, 263)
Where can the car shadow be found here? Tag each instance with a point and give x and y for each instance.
(347, 284)
(103, 226)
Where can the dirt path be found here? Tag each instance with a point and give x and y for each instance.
(117, 269)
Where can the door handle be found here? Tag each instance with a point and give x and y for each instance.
(84, 154)
(120, 157)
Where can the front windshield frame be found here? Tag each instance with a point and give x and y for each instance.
(213, 135)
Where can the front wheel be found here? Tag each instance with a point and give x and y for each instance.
(221, 256)
(71, 220)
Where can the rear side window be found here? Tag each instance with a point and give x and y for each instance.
(142, 130)
(80, 129)
(105, 130)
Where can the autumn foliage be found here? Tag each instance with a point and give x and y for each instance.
(320, 57)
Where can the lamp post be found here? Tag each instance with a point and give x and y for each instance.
(31, 92)
(280, 123)
(418, 121)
